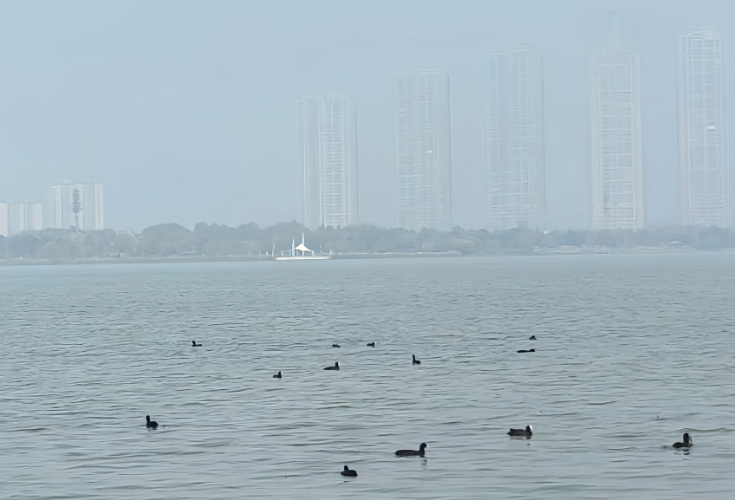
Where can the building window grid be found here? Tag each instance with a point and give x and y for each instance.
(420, 202)
(703, 177)
(617, 165)
(511, 141)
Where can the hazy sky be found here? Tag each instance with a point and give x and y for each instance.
(186, 110)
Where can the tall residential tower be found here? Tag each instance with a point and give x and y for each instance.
(616, 156)
(25, 216)
(515, 189)
(4, 219)
(702, 128)
(327, 161)
(422, 150)
(79, 206)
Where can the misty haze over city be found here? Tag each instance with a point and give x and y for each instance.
(345, 249)
(187, 111)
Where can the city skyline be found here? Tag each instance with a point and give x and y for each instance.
(513, 145)
(219, 144)
(77, 206)
(514, 137)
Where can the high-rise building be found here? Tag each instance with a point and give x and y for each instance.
(327, 161)
(423, 150)
(25, 216)
(702, 128)
(78, 206)
(616, 154)
(515, 190)
(4, 219)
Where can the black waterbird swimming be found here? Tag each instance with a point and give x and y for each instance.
(687, 442)
(527, 432)
(412, 453)
(150, 424)
(349, 473)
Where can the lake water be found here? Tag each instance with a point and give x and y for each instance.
(632, 351)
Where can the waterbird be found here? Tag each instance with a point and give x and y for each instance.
(532, 337)
(335, 367)
(415, 361)
(150, 424)
(349, 473)
(527, 432)
(194, 344)
(412, 453)
(278, 375)
(336, 345)
(530, 350)
(687, 442)
(371, 344)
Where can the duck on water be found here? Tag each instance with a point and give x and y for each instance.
(194, 344)
(349, 472)
(335, 367)
(687, 442)
(527, 432)
(412, 453)
(150, 424)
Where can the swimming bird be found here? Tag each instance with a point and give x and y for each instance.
(687, 442)
(150, 424)
(412, 453)
(371, 344)
(335, 367)
(532, 337)
(336, 345)
(527, 432)
(194, 344)
(277, 375)
(415, 361)
(349, 473)
(530, 350)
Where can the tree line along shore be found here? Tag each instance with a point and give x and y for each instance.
(212, 242)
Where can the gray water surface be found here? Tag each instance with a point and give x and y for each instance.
(632, 351)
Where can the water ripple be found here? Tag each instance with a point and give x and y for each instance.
(632, 351)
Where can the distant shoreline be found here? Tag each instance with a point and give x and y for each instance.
(200, 259)
(354, 256)
(164, 243)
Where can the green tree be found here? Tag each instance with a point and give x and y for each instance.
(76, 207)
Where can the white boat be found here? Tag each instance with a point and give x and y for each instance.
(301, 252)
